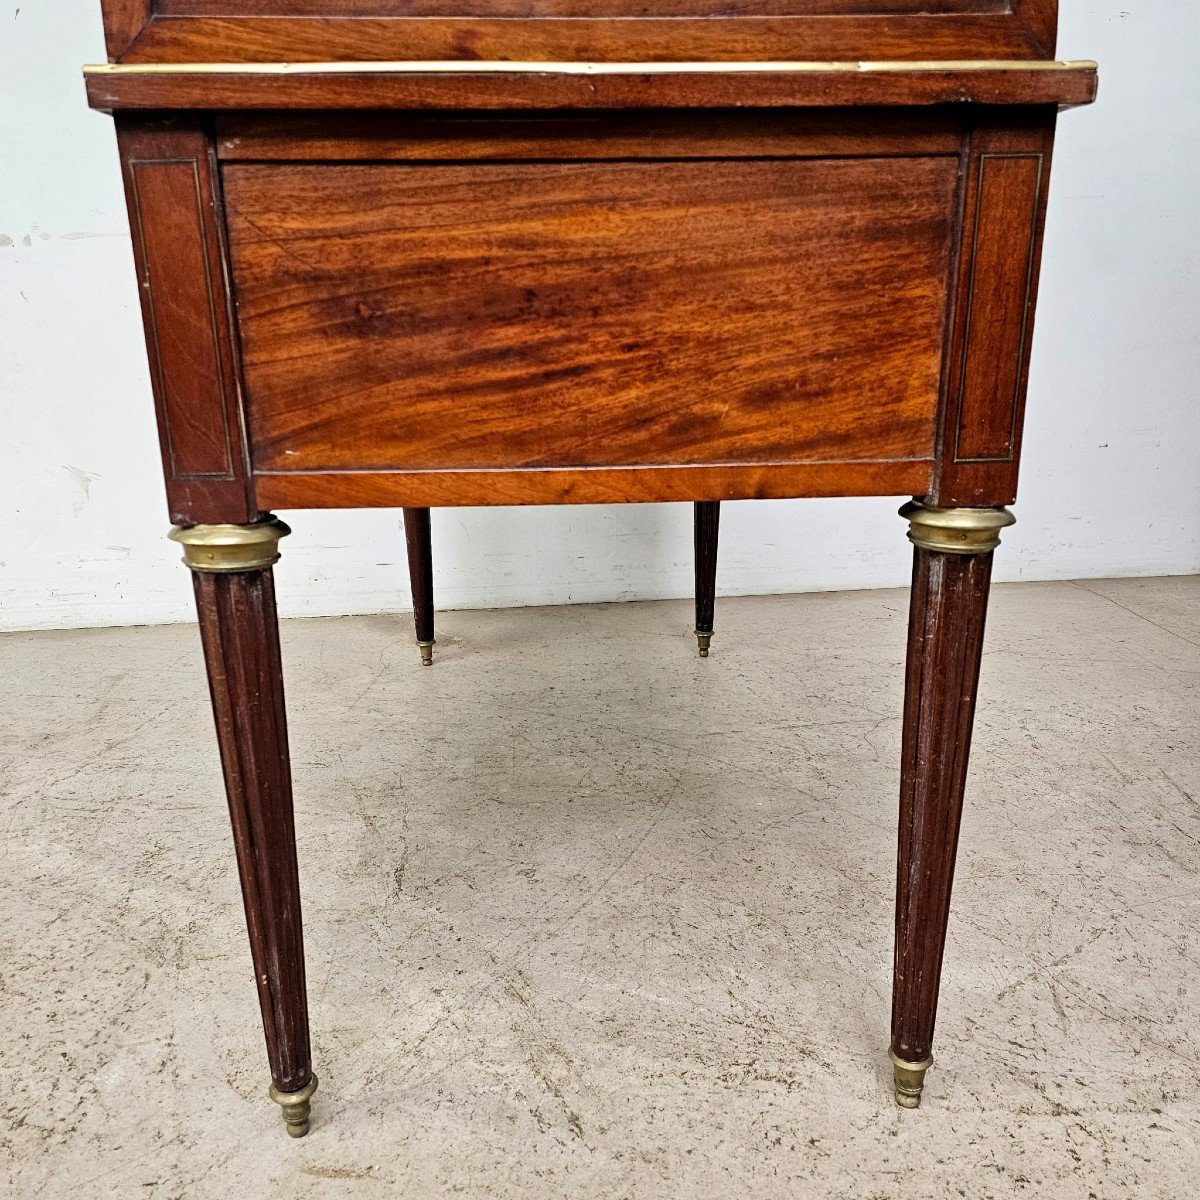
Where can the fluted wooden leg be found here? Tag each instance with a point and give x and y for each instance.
(952, 567)
(420, 575)
(235, 599)
(706, 521)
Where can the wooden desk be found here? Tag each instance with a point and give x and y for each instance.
(437, 252)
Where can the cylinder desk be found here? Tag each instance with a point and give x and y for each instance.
(461, 252)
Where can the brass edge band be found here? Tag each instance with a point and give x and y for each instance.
(220, 549)
(296, 1106)
(501, 67)
(955, 530)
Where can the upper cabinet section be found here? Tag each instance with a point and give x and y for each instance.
(198, 31)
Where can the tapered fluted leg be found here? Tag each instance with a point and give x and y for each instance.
(952, 567)
(707, 519)
(235, 599)
(420, 574)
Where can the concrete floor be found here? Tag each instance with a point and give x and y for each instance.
(588, 916)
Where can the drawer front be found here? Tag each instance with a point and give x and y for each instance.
(533, 315)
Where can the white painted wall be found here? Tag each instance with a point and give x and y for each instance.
(1114, 391)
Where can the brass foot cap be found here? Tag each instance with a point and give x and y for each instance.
(296, 1106)
(910, 1079)
(426, 649)
(703, 640)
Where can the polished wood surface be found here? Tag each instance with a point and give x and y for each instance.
(1000, 244)
(596, 30)
(418, 540)
(238, 628)
(593, 485)
(173, 191)
(706, 519)
(945, 643)
(576, 315)
(594, 136)
(408, 87)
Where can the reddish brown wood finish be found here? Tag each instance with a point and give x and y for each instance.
(124, 20)
(540, 9)
(558, 287)
(1007, 168)
(591, 485)
(583, 316)
(414, 91)
(300, 30)
(241, 650)
(173, 193)
(419, 540)
(945, 642)
(596, 137)
(705, 523)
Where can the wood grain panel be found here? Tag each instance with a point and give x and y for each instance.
(183, 315)
(123, 21)
(585, 86)
(583, 315)
(998, 305)
(595, 485)
(173, 200)
(722, 133)
(576, 8)
(286, 38)
(1004, 211)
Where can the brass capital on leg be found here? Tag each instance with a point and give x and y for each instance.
(296, 1106)
(222, 549)
(955, 530)
(910, 1079)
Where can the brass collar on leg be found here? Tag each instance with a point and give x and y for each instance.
(955, 530)
(224, 548)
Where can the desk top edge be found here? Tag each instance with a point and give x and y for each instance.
(503, 67)
(500, 84)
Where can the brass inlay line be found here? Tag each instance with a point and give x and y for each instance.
(497, 67)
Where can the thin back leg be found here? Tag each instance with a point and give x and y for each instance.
(707, 518)
(420, 575)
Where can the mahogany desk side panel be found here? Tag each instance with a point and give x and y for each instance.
(602, 279)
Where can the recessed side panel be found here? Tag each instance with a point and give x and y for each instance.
(579, 315)
(999, 301)
(174, 216)
(1008, 171)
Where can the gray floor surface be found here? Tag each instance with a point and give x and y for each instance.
(588, 916)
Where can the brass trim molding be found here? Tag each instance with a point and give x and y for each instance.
(296, 1106)
(492, 66)
(909, 1079)
(219, 549)
(955, 530)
